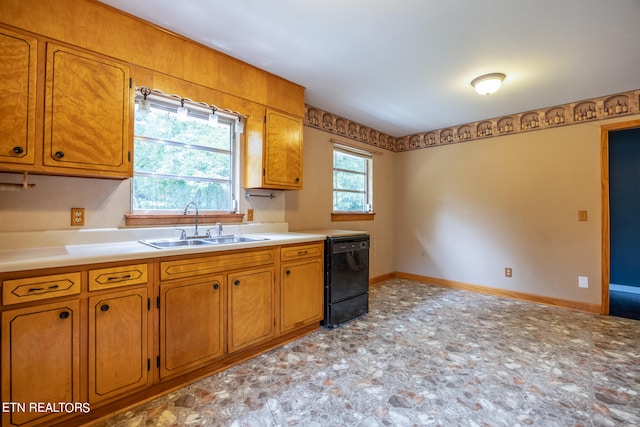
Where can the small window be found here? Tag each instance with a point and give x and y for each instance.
(179, 158)
(352, 180)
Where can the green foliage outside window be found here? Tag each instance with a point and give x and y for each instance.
(176, 162)
(351, 175)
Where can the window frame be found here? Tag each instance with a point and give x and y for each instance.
(138, 217)
(353, 215)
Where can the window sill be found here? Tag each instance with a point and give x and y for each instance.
(172, 219)
(352, 216)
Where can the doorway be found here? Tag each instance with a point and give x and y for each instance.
(621, 224)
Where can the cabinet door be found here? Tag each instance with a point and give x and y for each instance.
(118, 357)
(191, 324)
(86, 124)
(18, 70)
(301, 294)
(40, 358)
(251, 307)
(283, 151)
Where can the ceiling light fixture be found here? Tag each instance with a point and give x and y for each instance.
(488, 83)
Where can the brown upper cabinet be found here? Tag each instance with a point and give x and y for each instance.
(86, 122)
(275, 161)
(17, 97)
(86, 103)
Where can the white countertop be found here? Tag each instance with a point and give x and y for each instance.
(46, 249)
(336, 233)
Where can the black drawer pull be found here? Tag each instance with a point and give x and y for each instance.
(216, 286)
(104, 307)
(64, 315)
(18, 150)
(125, 277)
(50, 288)
(59, 154)
(237, 282)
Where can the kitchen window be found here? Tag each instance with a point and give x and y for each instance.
(183, 156)
(352, 180)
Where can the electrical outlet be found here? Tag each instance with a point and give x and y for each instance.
(77, 216)
(582, 215)
(249, 214)
(583, 282)
(508, 272)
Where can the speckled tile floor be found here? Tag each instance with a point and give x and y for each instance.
(427, 356)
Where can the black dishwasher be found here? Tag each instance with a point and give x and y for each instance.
(346, 283)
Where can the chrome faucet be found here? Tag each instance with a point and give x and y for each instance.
(186, 208)
(219, 227)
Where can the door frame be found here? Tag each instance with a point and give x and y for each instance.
(606, 226)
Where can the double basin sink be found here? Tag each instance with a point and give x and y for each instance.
(199, 241)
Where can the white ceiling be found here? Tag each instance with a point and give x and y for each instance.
(405, 66)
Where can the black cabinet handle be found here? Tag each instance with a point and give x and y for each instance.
(237, 282)
(104, 307)
(64, 315)
(216, 286)
(18, 150)
(114, 278)
(298, 179)
(288, 272)
(59, 154)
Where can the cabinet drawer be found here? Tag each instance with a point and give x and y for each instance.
(292, 253)
(17, 291)
(214, 264)
(115, 277)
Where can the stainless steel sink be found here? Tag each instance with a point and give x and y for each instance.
(174, 243)
(232, 239)
(178, 243)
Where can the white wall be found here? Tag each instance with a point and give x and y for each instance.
(469, 210)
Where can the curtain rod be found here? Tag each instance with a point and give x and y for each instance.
(346, 144)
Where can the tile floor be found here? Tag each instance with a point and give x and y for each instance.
(427, 356)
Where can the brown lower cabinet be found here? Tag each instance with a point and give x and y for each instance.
(191, 323)
(107, 335)
(251, 307)
(40, 359)
(118, 353)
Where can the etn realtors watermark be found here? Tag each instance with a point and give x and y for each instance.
(46, 407)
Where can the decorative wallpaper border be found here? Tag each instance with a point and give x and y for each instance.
(316, 118)
(622, 104)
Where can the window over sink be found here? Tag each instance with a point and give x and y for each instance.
(183, 152)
